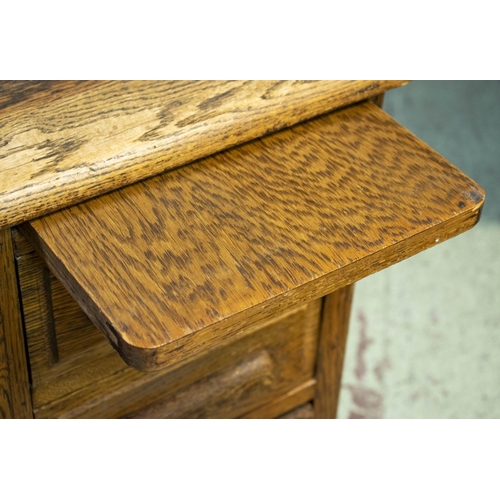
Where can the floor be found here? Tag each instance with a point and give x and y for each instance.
(424, 339)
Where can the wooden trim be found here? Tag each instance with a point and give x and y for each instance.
(332, 343)
(15, 395)
(285, 403)
(302, 412)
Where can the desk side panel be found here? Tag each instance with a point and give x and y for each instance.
(15, 394)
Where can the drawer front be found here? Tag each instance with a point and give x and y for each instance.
(225, 393)
(76, 373)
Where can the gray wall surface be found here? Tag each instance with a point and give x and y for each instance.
(424, 338)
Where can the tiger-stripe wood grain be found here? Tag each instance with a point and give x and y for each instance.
(15, 397)
(65, 142)
(331, 351)
(233, 239)
(90, 380)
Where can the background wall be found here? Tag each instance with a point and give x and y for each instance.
(424, 339)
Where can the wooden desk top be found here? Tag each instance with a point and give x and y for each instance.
(65, 142)
(175, 264)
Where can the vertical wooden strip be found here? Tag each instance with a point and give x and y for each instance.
(15, 395)
(378, 99)
(332, 342)
(52, 348)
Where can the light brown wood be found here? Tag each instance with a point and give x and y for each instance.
(332, 344)
(15, 398)
(65, 142)
(285, 403)
(232, 240)
(88, 378)
(289, 341)
(29, 94)
(224, 394)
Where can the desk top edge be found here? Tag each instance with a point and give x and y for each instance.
(66, 142)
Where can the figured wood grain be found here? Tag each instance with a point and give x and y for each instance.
(173, 265)
(15, 397)
(290, 341)
(286, 402)
(65, 142)
(331, 351)
(90, 380)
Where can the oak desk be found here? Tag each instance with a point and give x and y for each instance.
(151, 269)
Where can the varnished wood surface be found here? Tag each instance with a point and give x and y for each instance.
(222, 395)
(331, 351)
(175, 264)
(29, 94)
(65, 142)
(15, 397)
(88, 379)
(289, 341)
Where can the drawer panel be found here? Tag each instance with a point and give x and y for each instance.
(225, 393)
(77, 373)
